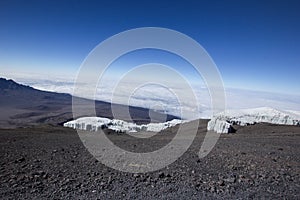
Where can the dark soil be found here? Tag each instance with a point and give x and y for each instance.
(50, 162)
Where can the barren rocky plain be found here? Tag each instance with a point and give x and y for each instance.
(50, 162)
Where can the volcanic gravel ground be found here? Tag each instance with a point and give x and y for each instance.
(259, 161)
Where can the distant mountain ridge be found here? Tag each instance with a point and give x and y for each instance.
(23, 105)
(10, 84)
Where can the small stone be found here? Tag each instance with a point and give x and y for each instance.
(221, 183)
(136, 175)
(78, 185)
(22, 159)
(102, 183)
(109, 180)
(198, 184)
(212, 189)
(231, 167)
(241, 176)
(230, 180)
(161, 175)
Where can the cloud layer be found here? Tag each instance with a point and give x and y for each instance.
(164, 99)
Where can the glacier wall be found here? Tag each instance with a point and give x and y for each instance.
(222, 123)
(98, 123)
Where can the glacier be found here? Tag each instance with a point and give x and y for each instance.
(223, 122)
(117, 125)
(220, 123)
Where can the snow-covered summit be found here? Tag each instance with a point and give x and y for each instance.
(222, 122)
(98, 123)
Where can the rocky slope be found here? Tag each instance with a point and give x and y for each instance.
(23, 106)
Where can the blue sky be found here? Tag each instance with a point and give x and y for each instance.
(255, 44)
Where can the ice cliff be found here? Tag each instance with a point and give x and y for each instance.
(222, 123)
(97, 123)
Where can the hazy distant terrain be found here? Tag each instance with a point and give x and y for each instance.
(154, 95)
(24, 106)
